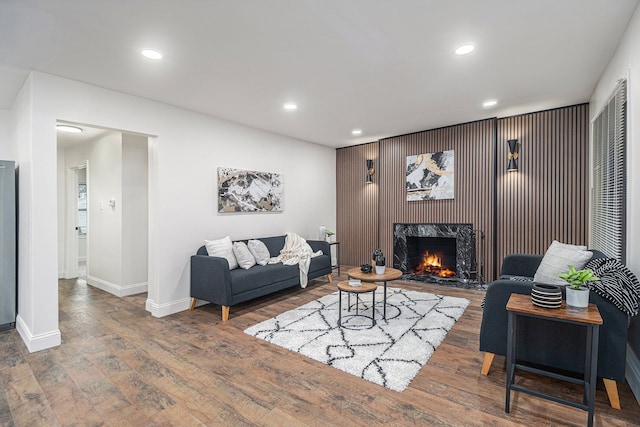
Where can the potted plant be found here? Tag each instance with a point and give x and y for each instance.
(328, 234)
(577, 293)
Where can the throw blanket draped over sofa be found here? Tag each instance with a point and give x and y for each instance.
(212, 281)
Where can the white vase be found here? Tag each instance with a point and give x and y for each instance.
(578, 297)
(379, 269)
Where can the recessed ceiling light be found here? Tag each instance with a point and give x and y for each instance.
(67, 128)
(290, 106)
(356, 132)
(151, 54)
(489, 103)
(464, 49)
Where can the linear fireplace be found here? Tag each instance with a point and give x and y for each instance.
(441, 253)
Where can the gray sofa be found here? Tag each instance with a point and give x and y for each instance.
(211, 279)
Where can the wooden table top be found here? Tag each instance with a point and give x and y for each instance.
(522, 304)
(389, 274)
(365, 287)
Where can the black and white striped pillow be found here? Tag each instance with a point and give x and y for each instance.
(617, 284)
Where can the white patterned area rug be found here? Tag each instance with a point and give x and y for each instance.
(390, 353)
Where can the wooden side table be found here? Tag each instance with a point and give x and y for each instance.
(521, 305)
(389, 274)
(337, 245)
(365, 287)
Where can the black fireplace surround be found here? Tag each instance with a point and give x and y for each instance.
(405, 247)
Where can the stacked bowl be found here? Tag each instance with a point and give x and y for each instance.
(547, 296)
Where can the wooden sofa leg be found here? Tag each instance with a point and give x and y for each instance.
(225, 313)
(612, 392)
(193, 304)
(329, 277)
(486, 364)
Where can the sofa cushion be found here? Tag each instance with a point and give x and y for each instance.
(261, 275)
(557, 260)
(259, 251)
(243, 255)
(222, 248)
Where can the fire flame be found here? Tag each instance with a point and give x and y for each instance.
(432, 264)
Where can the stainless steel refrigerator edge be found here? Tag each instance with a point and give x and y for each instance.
(8, 244)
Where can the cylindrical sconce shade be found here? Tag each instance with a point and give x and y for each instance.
(513, 155)
(370, 171)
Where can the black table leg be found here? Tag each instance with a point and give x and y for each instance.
(511, 358)
(339, 307)
(384, 308)
(591, 369)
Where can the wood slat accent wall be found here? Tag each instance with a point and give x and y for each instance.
(357, 202)
(547, 198)
(519, 212)
(474, 171)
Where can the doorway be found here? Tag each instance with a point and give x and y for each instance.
(103, 189)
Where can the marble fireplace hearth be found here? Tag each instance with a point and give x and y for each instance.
(457, 252)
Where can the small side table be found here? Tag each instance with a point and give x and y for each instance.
(337, 245)
(365, 287)
(521, 305)
(389, 274)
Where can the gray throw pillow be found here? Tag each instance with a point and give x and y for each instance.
(242, 254)
(557, 260)
(259, 251)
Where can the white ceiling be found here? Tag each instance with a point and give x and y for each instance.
(386, 67)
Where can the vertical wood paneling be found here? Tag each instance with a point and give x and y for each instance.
(474, 171)
(357, 216)
(545, 199)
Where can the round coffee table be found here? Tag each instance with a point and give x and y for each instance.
(389, 274)
(363, 288)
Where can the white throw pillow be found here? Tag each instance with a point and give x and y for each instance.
(243, 255)
(222, 248)
(259, 251)
(557, 260)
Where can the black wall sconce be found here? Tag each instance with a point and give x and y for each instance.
(513, 155)
(370, 171)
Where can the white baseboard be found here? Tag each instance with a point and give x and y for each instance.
(117, 290)
(161, 310)
(633, 372)
(37, 342)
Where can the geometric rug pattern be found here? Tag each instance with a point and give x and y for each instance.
(389, 353)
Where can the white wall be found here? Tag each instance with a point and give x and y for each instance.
(186, 149)
(626, 64)
(105, 235)
(134, 207)
(35, 138)
(7, 146)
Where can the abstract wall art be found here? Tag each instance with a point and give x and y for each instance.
(430, 176)
(249, 191)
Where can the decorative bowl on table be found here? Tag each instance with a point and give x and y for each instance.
(547, 296)
(366, 268)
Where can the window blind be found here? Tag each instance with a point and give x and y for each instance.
(609, 183)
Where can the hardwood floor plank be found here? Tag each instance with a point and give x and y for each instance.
(120, 366)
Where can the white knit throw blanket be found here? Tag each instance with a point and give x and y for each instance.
(296, 251)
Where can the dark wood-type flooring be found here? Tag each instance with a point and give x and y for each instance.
(118, 365)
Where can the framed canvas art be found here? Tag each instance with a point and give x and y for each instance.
(249, 191)
(430, 176)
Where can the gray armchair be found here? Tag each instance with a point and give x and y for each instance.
(551, 344)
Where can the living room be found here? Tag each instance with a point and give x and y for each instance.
(324, 186)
